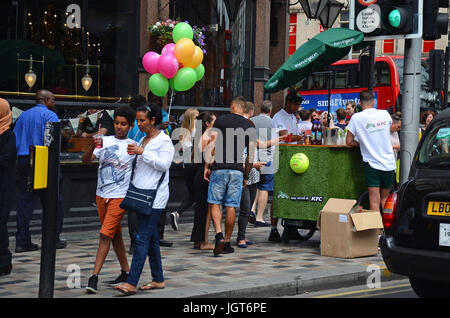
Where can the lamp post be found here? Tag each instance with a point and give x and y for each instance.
(330, 13)
(313, 8)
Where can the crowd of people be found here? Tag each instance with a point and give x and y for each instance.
(137, 151)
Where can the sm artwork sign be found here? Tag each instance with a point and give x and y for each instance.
(337, 100)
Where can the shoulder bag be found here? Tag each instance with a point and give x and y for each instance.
(140, 200)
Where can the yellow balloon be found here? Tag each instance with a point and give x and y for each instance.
(196, 60)
(184, 50)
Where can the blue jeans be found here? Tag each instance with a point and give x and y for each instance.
(225, 188)
(147, 243)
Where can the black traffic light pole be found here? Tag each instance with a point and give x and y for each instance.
(371, 83)
(447, 56)
(50, 212)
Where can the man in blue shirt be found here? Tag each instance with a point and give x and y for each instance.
(29, 130)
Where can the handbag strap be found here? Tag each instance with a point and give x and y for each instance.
(132, 173)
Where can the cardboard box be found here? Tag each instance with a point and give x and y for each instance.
(347, 233)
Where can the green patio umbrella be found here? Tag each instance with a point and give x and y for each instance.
(323, 50)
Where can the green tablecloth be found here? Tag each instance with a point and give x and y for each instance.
(334, 172)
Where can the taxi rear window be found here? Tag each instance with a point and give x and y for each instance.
(435, 149)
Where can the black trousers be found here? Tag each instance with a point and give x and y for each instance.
(26, 201)
(200, 207)
(7, 188)
(189, 176)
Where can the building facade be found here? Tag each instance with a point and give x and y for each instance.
(69, 43)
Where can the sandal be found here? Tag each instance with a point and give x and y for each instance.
(150, 286)
(125, 290)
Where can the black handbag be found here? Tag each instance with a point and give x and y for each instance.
(139, 200)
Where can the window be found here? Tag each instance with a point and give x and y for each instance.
(108, 36)
(344, 19)
(436, 146)
(383, 74)
(341, 79)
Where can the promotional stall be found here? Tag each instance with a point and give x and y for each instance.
(331, 172)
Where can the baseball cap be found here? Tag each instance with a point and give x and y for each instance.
(294, 97)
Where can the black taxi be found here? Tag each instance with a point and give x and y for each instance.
(416, 236)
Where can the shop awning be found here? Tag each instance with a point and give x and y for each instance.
(323, 50)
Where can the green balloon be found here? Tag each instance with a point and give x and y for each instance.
(171, 85)
(182, 30)
(158, 84)
(184, 79)
(200, 71)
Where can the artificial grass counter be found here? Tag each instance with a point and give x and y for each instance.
(334, 172)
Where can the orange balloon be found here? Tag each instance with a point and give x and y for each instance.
(184, 50)
(196, 60)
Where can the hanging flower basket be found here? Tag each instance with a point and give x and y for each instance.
(161, 33)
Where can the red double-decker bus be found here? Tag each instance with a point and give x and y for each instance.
(347, 81)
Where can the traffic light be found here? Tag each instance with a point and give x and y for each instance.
(435, 24)
(435, 70)
(389, 19)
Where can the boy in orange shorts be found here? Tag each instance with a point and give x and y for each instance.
(114, 174)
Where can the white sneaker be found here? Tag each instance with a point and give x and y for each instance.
(174, 216)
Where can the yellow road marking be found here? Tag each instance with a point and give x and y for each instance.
(362, 291)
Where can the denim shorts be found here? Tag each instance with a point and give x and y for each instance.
(265, 182)
(225, 188)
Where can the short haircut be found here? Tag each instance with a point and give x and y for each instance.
(127, 112)
(312, 110)
(137, 101)
(249, 106)
(266, 107)
(351, 103)
(341, 113)
(153, 110)
(366, 97)
(240, 101)
(304, 114)
(396, 117)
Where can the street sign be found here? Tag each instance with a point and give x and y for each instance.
(369, 19)
(388, 19)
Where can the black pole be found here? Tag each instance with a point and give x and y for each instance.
(447, 56)
(329, 98)
(371, 64)
(50, 212)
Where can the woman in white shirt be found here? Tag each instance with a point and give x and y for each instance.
(154, 157)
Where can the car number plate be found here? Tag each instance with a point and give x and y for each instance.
(438, 208)
(444, 234)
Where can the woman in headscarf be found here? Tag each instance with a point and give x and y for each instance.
(7, 182)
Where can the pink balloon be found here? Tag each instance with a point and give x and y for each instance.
(168, 65)
(168, 49)
(150, 62)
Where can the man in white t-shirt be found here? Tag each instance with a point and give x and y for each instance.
(285, 121)
(372, 129)
(114, 172)
(286, 124)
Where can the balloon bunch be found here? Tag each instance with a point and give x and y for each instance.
(179, 66)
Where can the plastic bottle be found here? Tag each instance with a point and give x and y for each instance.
(319, 133)
(314, 133)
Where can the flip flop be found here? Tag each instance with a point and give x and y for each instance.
(124, 290)
(149, 286)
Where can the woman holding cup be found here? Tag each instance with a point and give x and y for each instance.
(154, 157)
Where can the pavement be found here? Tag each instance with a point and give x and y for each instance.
(264, 269)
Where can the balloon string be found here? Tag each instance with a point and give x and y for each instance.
(170, 103)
